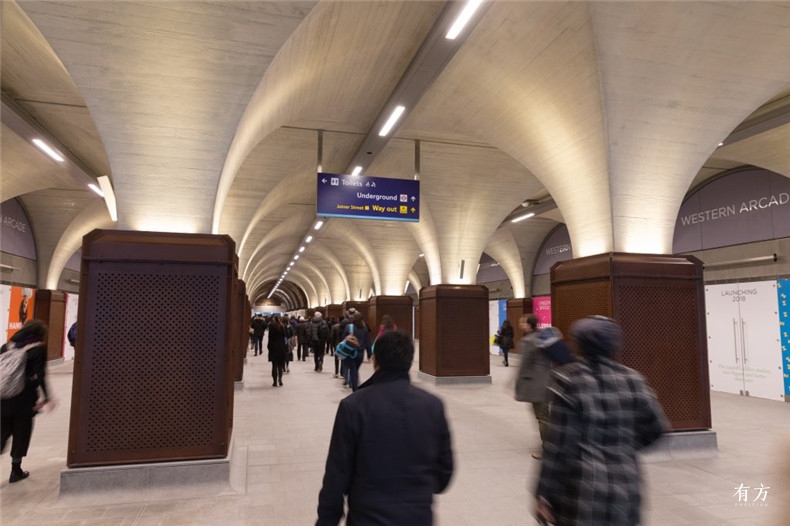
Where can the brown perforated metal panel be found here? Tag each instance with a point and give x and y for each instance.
(398, 307)
(454, 330)
(515, 309)
(50, 307)
(659, 303)
(660, 342)
(153, 379)
(571, 301)
(334, 310)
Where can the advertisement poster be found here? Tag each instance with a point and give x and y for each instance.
(541, 306)
(497, 313)
(5, 306)
(744, 349)
(783, 291)
(22, 300)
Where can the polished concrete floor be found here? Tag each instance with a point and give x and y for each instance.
(283, 434)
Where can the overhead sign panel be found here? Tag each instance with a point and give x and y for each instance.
(361, 197)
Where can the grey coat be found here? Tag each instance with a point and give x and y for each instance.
(534, 372)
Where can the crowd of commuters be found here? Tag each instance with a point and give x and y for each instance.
(292, 337)
(390, 449)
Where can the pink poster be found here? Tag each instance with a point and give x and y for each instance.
(541, 306)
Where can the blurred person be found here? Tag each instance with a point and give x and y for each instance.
(506, 335)
(278, 349)
(17, 412)
(319, 334)
(387, 324)
(258, 326)
(541, 351)
(302, 338)
(602, 413)
(360, 330)
(533, 375)
(390, 449)
(334, 340)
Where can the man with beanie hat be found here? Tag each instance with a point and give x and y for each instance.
(539, 349)
(602, 413)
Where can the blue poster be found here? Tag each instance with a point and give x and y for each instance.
(783, 291)
(361, 197)
(502, 311)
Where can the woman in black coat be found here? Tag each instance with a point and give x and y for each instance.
(17, 412)
(278, 349)
(506, 339)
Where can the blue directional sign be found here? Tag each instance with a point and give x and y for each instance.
(361, 197)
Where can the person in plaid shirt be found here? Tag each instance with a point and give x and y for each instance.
(602, 413)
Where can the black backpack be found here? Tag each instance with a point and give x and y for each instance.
(323, 330)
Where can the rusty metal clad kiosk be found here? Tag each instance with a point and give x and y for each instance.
(153, 374)
(659, 302)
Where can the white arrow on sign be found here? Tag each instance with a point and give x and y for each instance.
(413, 199)
(323, 180)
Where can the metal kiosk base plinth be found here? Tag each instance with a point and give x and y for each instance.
(454, 380)
(156, 480)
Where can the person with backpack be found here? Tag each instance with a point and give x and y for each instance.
(319, 334)
(353, 355)
(537, 350)
(302, 338)
(23, 362)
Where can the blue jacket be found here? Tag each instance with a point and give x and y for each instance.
(390, 452)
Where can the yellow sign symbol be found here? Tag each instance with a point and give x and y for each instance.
(404, 209)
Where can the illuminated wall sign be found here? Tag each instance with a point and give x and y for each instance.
(556, 247)
(741, 207)
(361, 197)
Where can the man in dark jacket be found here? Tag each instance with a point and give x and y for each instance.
(302, 338)
(258, 326)
(390, 449)
(319, 334)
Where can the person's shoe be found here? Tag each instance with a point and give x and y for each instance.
(337, 376)
(281, 383)
(537, 455)
(274, 384)
(17, 475)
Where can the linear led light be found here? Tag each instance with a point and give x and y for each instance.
(463, 19)
(296, 257)
(522, 217)
(394, 116)
(309, 238)
(96, 189)
(47, 149)
(301, 249)
(319, 225)
(357, 170)
(109, 196)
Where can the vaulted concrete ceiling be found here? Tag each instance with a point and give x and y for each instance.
(207, 117)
